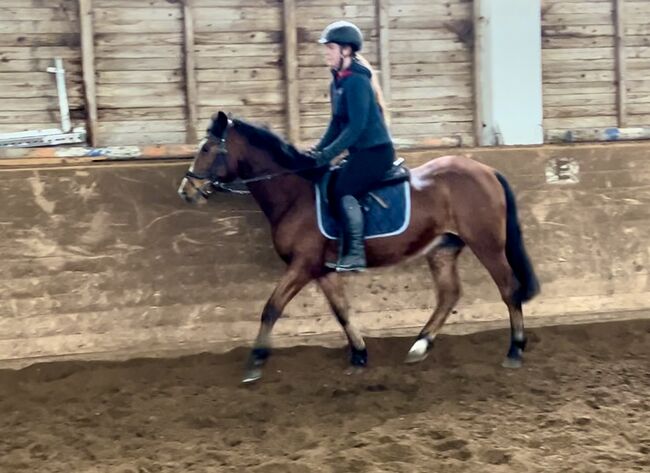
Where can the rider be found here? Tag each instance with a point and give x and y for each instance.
(358, 125)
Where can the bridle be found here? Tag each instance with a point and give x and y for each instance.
(212, 182)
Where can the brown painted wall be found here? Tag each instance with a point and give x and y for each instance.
(106, 260)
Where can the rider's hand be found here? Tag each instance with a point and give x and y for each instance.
(317, 156)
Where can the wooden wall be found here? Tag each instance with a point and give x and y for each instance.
(579, 64)
(139, 71)
(595, 64)
(106, 260)
(163, 67)
(431, 45)
(32, 33)
(238, 46)
(637, 53)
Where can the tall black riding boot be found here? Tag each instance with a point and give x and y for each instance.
(353, 257)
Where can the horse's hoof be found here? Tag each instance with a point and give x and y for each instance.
(354, 370)
(358, 357)
(512, 363)
(418, 352)
(251, 375)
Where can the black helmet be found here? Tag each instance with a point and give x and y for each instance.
(343, 33)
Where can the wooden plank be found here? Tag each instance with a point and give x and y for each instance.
(578, 89)
(36, 26)
(105, 40)
(577, 54)
(41, 14)
(137, 64)
(191, 88)
(570, 123)
(589, 19)
(72, 66)
(638, 85)
(428, 70)
(431, 105)
(238, 37)
(265, 23)
(33, 78)
(27, 90)
(581, 99)
(39, 39)
(126, 14)
(557, 8)
(142, 4)
(37, 103)
(432, 10)
(640, 120)
(86, 18)
(22, 116)
(258, 49)
(561, 75)
(291, 70)
(448, 92)
(638, 52)
(430, 34)
(637, 40)
(141, 114)
(619, 17)
(552, 66)
(138, 77)
(149, 126)
(382, 15)
(438, 57)
(134, 26)
(573, 42)
(139, 51)
(578, 111)
(46, 52)
(124, 139)
(577, 31)
(241, 3)
(240, 74)
(422, 22)
(434, 81)
(426, 46)
(216, 64)
(249, 112)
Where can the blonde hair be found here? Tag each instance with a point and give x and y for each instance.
(379, 94)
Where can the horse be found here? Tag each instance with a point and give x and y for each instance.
(455, 202)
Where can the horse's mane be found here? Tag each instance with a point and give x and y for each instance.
(283, 153)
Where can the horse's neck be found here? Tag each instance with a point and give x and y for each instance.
(277, 195)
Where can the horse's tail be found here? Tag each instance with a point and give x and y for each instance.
(516, 253)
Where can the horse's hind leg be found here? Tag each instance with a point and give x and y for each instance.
(290, 284)
(497, 265)
(332, 287)
(442, 260)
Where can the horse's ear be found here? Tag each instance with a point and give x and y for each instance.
(222, 120)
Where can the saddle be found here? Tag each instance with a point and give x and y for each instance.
(386, 206)
(397, 174)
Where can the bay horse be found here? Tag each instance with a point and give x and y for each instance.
(456, 202)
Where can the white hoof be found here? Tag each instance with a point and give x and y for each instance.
(419, 351)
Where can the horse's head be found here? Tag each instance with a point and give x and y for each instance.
(214, 162)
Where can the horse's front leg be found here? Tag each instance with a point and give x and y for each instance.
(296, 277)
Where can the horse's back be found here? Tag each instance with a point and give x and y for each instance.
(451, 167)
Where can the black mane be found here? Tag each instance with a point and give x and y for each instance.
(283, 153)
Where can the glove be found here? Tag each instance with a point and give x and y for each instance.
(320, 160)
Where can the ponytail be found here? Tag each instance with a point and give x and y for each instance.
(379, 95)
